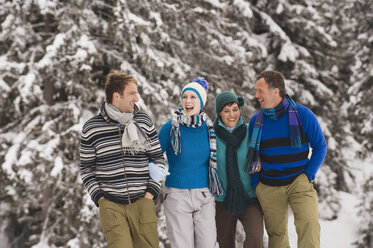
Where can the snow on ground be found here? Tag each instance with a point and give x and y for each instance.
(343, 231)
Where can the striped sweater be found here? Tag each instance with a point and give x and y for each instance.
(106, 171)
(281, 163)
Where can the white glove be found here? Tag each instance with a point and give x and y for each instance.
(157, 173)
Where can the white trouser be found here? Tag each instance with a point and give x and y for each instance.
(190, 217)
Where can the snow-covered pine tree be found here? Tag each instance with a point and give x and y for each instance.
(47, 88)
(360, 110)
(366, 209)
(54, 57)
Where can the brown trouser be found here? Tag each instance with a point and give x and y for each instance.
(302, 199)
(129, 225)
(252, 221)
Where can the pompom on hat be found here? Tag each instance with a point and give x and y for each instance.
(226, 97)
(199, 86)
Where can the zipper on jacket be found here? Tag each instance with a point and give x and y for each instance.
(124, 164)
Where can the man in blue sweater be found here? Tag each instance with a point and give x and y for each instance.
(281, 134)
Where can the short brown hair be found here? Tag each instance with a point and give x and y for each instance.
(274, 79)
(116, 81)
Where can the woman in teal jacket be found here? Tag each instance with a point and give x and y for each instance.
(239, 201)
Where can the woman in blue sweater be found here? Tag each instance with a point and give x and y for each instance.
(190, 144)
(239, 201)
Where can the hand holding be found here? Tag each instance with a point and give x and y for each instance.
(256, 168)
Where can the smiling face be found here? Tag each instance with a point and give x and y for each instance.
(126, 101)
(230, 115)
(191, 103)
(268, 98)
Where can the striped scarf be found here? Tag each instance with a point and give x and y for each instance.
(287, 104)
(196, 121)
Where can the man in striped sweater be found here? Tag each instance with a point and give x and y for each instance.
(281, 134)
(116, 147)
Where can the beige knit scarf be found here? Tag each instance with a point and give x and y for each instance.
(134, 138)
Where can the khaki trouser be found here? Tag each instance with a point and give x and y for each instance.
(302, 198)
(251, 220)
(129, 225)
(190, 217)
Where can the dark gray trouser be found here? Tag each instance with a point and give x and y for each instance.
(251, 220)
